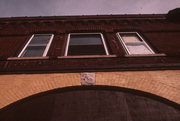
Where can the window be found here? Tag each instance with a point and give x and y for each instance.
(86, 44)
(133, 43)
(38, 45)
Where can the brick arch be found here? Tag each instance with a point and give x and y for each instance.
(91, 102)
(19, 86)
(95, 88)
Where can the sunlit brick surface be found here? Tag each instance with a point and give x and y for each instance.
(18, 86)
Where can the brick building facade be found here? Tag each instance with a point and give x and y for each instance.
(132, 55)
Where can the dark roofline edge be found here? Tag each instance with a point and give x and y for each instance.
(110, 16)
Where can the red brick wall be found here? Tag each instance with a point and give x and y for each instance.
(160, 34)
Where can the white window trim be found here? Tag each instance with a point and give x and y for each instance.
(69, 36)
(124, 44)
(47, 46)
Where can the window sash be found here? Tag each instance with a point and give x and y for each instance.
(28, 44)
(140, 42)
(102, 40)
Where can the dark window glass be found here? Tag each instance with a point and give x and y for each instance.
(40, 39)
(34, 51)
(86, 45)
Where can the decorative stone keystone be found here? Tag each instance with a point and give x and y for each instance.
(88, 78)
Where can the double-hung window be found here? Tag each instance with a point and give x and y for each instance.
(133, 43)
(86, 44)
(37, 46)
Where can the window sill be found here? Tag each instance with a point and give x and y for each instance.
(146, 55)
(27, 58)
(88, 56)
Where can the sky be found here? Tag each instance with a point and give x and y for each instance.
(18, 8)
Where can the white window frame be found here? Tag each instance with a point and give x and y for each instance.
(69, 37)
(46, 49)
(125, 46)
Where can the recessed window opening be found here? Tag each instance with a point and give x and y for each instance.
(133, 43)
(86, 44)
(37, 46)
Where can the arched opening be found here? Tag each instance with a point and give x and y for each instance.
(92, 103)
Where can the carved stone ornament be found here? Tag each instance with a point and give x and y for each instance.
(88, 78)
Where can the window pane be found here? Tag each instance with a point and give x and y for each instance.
(85, 40)
(130, 38)
(138, 48)
(34, 51)
(86, 45)
(40, 39)
(86, 50)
